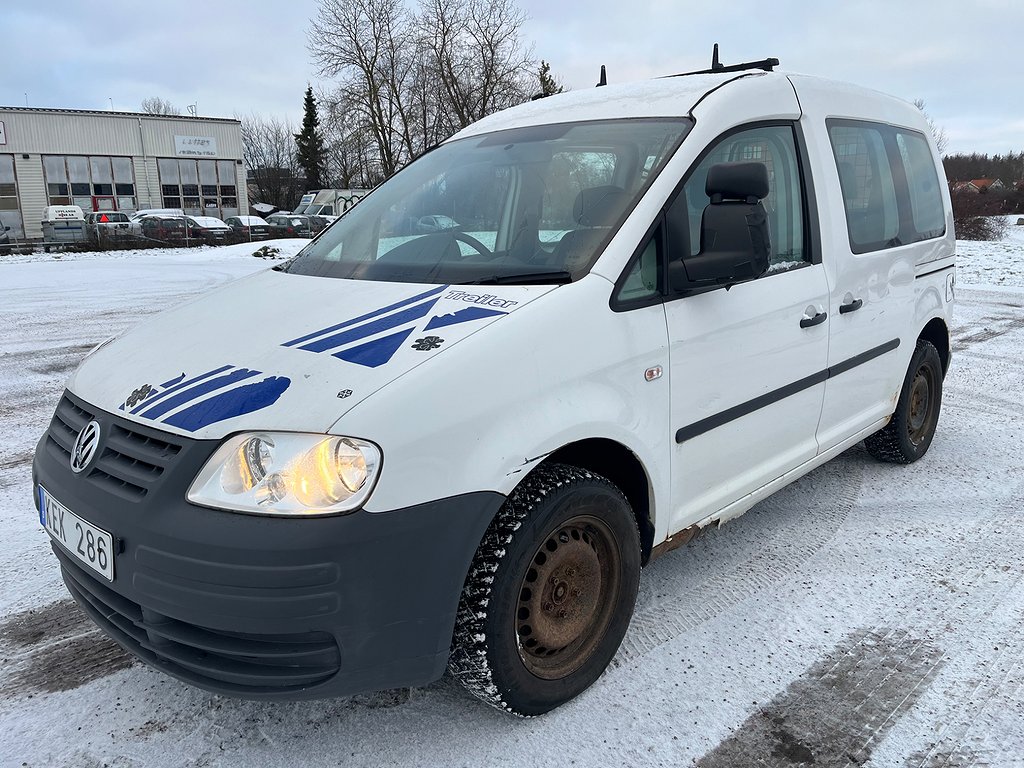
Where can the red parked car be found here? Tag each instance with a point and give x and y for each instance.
(169, 229)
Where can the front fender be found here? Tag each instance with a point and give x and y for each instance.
(562, 369)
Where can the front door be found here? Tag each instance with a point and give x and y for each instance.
(747, 375)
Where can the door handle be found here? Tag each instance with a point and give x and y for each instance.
(851, 306)
(818, 319)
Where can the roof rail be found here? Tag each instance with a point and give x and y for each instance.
(717, 67)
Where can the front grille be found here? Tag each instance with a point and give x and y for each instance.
(227, 661)
(129, 463)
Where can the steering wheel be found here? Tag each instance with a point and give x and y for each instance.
(469, 240)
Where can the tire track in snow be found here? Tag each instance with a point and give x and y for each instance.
(833, 715)
(55, 648)
(775, 559)
(840, 710)
(981, 589)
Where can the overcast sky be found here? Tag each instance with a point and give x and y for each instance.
(963, 57)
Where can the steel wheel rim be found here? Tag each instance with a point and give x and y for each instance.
(567, 597)
(920, 414)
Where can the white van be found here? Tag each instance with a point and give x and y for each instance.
(404, 451)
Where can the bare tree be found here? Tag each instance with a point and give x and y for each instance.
(154, 105)
(475, 48)
(350, 156)
(268, 145)
(408, 81)
(366, 44)
(938, 133)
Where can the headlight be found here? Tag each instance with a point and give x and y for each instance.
(286, 473)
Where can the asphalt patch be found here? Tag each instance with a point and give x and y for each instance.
(838, 711)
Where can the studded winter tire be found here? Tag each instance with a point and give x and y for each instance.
(906, 437)
(550, 592)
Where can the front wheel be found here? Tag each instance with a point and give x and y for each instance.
(550, 593)
(906, 437)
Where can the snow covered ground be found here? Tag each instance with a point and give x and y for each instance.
(866, 615)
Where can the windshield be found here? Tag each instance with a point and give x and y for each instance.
(525, 204)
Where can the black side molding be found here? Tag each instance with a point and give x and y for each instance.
(737, 411)
(935, 271)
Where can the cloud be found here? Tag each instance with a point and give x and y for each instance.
(961, 58)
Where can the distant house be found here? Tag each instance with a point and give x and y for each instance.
(989, 184)
(962, 186)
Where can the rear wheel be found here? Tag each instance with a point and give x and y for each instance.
(909, 433)
(550, 593)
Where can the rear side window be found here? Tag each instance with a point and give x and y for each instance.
(923, 185)
(869, 192)
(889, 184)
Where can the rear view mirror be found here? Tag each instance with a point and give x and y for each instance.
(735, 243)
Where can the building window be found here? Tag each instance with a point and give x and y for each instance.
(200, 187)
(92, 183)
(10, 215)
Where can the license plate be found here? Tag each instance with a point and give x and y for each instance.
(93, 546)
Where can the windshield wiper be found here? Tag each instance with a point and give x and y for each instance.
(524, 278)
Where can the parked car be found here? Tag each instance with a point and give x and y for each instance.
(290, 225)
(249, 227)
(164, 227)
(134, 221)
(5, 239)
(104, 225)
(382, 459)
(436, 223)
(208, 229)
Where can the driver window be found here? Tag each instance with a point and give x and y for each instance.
(774, 146)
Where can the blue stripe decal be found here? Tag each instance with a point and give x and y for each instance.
(176, 387)
(376, 352)
(172, 382)
(227, 405)
(371, 328)
(197, 391)
(367, 316)
(462, 316)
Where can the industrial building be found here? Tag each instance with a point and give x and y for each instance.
(116, 161)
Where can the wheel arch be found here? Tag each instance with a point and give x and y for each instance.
(623, 468)
(936, 332)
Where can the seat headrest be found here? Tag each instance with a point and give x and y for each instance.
(737, 181)
(598, 206)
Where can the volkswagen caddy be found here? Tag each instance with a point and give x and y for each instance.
(415, 449)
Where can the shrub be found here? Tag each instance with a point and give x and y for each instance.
(976, 216)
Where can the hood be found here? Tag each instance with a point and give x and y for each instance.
(277, 351)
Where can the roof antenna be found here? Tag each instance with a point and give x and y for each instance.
(604, 78)
(715, 63)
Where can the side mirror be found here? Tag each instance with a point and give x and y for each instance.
(735, 244)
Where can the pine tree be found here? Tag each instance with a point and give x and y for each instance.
(548, 83)
(310, 143)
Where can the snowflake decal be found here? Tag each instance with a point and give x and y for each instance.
(428, 343)
(139, 395)
(345, 393)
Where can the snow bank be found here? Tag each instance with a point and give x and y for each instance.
(993, 263)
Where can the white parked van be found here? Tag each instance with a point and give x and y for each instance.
(404, 451)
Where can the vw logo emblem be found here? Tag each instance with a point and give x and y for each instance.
(85, 446)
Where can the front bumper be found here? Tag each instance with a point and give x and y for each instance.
(259, 607)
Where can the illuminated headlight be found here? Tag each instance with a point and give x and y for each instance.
(286, 473)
